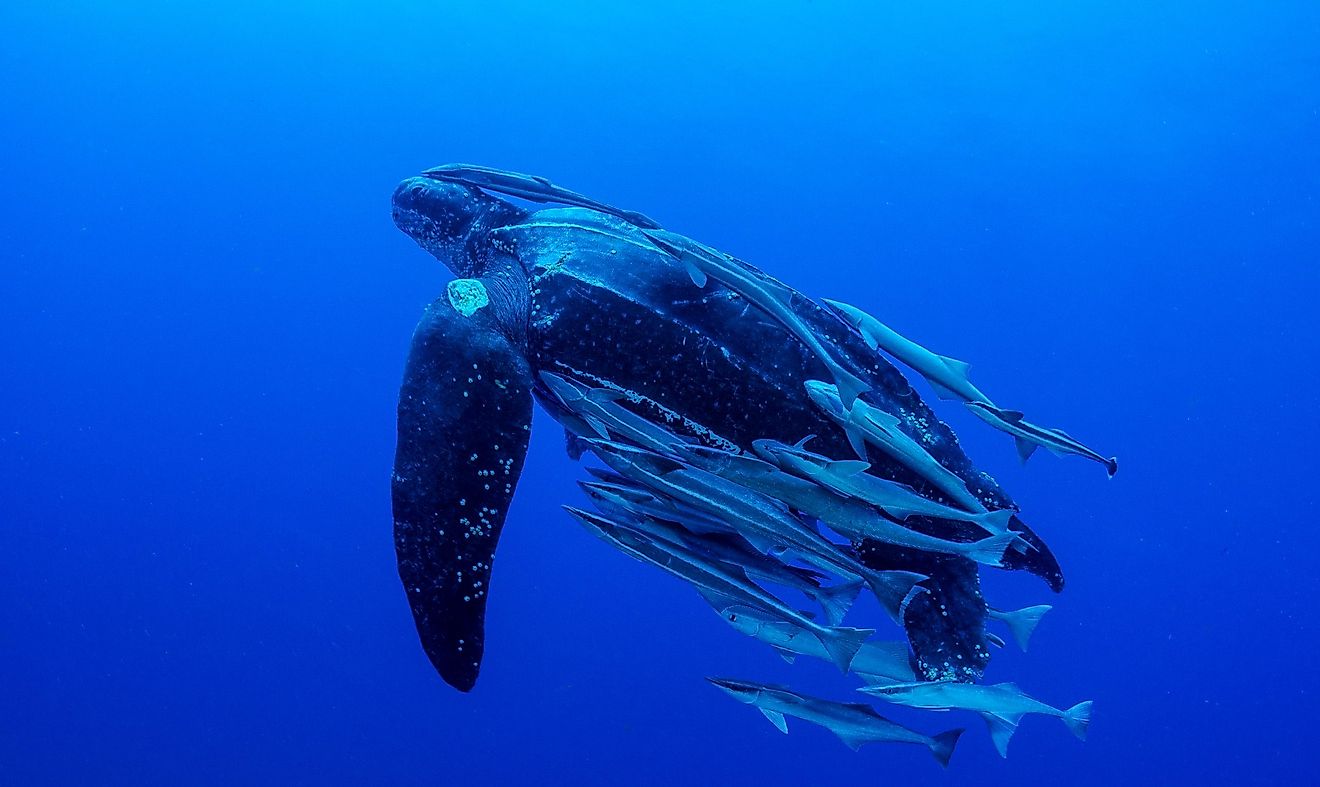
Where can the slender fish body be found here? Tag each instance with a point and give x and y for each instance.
(728, 548)
(1002, 705)
(598, 408)
(719, 581)
(846, 515)
(849, 477)
(639, 501)
(866, 424)
(755, 517)
(1029, 436)
(854, 723)
(948, 376)
(529, 187)
(877, 661)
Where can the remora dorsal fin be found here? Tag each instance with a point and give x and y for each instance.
(599, 395)
(961, 368)
(944, 392)
(847, 467)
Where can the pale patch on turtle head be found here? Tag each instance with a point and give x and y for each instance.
(467, 296)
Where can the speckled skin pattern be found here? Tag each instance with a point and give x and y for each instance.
(586, 295)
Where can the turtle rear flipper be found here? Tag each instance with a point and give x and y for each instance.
(465, 411)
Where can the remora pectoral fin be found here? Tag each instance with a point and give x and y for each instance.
(464, 416)
(776, 718)
(1025, 448)
(1001, 729)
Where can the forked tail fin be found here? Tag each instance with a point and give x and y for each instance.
(1078, 718)
(849, 385)
(995, 521)
(837, 600)
(941, 746)
(990, 550)
(895, 590)
(1022, 622)
(842, 644)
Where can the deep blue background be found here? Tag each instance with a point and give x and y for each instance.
(1110, 209)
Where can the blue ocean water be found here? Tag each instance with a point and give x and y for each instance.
(1110, 209)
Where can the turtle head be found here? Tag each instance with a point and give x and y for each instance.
(450, 220)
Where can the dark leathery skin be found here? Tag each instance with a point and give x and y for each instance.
(464, 413)
(609, 308)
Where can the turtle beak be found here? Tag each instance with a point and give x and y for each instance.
(418, 197)
(437, 216)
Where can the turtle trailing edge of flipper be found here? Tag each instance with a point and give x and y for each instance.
(464, 418)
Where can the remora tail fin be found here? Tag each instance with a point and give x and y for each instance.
(1022, 622)
(1078, 718)
(990, 550)
(849, 385)
(895, 590)
(837, 600)
(842, 644)
(941, 746)
(995, 521)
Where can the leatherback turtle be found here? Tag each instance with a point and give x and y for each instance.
(604, 297)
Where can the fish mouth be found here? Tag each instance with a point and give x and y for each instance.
(741, 690)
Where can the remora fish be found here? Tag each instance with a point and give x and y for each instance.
(702, 262)
(866, 424)
(599, 409)
(639, 501)
(529, 187)
(1002, 705)
(1028, 435)
(948, 376)
(849, 477)
(1021, 622)
(854, 723)
(756, 517)
(877, 661)
(847, 516)
(727, 548)
(719, 581)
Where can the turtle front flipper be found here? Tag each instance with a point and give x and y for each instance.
(465, 411)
